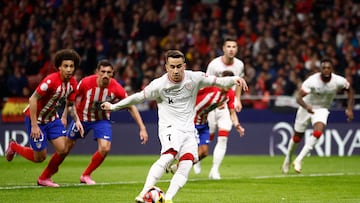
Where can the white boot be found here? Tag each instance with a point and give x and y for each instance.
(197, 167)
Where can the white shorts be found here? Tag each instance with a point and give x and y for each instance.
(181, 141)
(219, 118)
(303, 118)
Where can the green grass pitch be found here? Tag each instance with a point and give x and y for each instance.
(244, 179)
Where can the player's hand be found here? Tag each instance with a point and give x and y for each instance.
(309, 109)
(106, 106)
(80, 128)
(349, 114)
(238, 106)
(144, 136)
(35, 132)
(242, 83)
(240, 130)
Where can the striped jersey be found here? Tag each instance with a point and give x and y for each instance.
(90, 96)
(54, 93)
(208, 99)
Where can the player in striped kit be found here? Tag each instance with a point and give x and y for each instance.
(208, 99)
(42, 120)
(91, 92)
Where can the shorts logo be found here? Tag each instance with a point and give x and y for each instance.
(38, 145)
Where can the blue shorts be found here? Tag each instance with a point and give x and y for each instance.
(203, 133)
(102, 129)
(50, 131)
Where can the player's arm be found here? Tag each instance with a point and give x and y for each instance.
(236, 123)
(238, 104)
(126, 102)
(70, 107)
(350, 103)
(301, 102)
(137, 117)
(35, 130)
(230, 81)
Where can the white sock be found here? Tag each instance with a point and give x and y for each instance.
(219, 153)
(309, 145)
(156, 171)
(291, 148)
(179, 179)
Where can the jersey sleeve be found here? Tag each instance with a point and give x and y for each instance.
(151, 91)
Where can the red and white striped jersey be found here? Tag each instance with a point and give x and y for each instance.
(208, 99)
(90, 96)
(54, 93)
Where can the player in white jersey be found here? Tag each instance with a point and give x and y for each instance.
(315, 96)
(175, 93)
(220, 117)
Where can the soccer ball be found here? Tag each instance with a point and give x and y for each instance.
(154, 195)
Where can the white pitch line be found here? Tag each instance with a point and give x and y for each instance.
(190, 180)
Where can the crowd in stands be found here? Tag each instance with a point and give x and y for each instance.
(280, 41)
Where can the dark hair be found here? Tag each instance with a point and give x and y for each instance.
(227, 73)
(67, 54)
(174, 54)
(229, 39)
(326, 60)
(104, 62)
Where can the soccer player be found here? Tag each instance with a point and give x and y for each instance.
(208, 99)
(175, 93)
(91, 92)
(42, 119)
(220, 117)
(315, 96)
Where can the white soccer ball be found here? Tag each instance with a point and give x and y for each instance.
(154, 195)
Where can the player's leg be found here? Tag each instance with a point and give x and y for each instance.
(293, 143)
(224, 124)
(187, 156)
(319, 121)
(302, 120)
(103, 135)
(56, 134)
(203, 145)
(156, 171)
(27, 152)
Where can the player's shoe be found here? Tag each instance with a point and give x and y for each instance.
(87, 180)
(197, 168)
(286, 166)
(168, 201)
(297, 166)
(139, 199)
(10, 153)
(171, 169)
(214, 175)
(47, 183)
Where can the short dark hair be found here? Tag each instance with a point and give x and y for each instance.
(104, 62)
(229, 39)
(227, 73)
(67, 54)
(326, 60)
(174, 54)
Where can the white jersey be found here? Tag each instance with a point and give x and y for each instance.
(176, 101)
(320, 94)
(217, 66)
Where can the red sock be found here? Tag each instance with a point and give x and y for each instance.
(25, 152)
(96, 160)
(52, 167)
